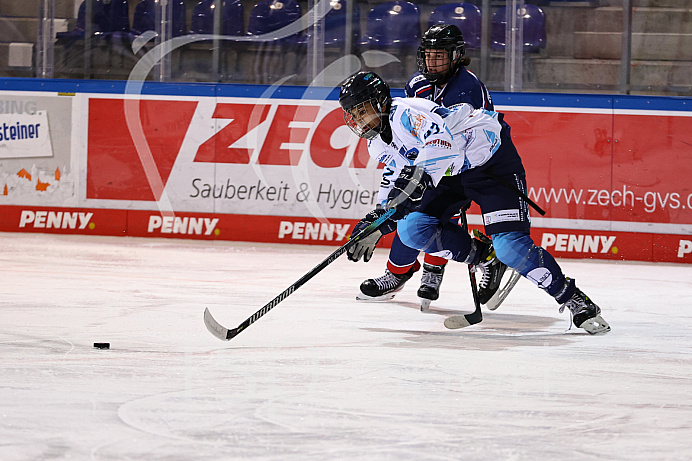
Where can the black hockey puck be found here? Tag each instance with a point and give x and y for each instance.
(102, 345)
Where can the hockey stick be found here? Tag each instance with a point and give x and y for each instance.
(226, 334)
(502, 292)
(462, 321)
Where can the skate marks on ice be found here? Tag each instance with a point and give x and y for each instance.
(436, 308)
(432, 309)
(399, 408)
(47, 348)
(326, 377)
(497, 332)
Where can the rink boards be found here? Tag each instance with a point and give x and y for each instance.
(265, 164)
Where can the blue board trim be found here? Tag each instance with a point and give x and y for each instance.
(560, 100)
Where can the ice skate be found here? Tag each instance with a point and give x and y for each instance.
(430, 284)
(586, 314)
(491, 270)
(383, 288)
(501, 294)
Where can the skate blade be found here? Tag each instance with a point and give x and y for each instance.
(375, 299)
(500, 295)
(456, 321)
(595, 326)
(424, 304)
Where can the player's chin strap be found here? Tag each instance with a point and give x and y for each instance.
(514, 189)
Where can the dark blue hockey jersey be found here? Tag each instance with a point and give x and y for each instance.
(462, 87)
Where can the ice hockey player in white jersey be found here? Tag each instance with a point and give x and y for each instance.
(442, 77)
(442, 158)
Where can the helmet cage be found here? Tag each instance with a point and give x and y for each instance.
(365, 99)
(453, 45)
(363, 126)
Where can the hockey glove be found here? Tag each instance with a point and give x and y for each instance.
(365, 247)
(408, 191)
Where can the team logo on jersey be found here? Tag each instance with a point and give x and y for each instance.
(470, 136)
(412, 123)
(411, 154)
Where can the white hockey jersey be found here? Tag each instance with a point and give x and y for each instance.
(443, 141)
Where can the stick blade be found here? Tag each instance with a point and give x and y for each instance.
(215, 327)
(456, 321)
(462, 321)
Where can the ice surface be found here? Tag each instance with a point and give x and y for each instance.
(321, 376)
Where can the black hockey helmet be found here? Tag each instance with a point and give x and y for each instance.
(360, 89)
(445, 37)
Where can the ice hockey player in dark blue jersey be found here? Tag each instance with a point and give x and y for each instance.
(442, 77)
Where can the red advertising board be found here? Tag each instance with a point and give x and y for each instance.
(562, 243)
(286, 169)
